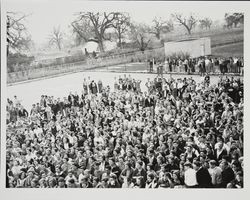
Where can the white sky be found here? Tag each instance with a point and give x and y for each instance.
(46, 14)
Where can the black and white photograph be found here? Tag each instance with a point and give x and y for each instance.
(112, 95)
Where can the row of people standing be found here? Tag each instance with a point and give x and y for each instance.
(204, 65)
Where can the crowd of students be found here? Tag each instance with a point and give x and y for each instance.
(177, 134)
(202, 65)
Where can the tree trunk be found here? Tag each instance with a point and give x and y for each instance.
(119, 38)
(59, 46)
(101, 47)
(158, 34)
(120, 42)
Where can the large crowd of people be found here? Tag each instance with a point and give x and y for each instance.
(178, 134)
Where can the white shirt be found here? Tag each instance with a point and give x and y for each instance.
(190, 177)
(207, 62)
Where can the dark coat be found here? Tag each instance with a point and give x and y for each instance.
(220, 156)
(227, 176)
(203, 178)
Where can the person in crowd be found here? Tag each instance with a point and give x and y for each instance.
(190, 178)
(203, 177)
(215, 173)
(227, 174)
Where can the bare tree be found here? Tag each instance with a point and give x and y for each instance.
(56, 38)
(140, 33)
(205, 23)
(82, 30)
(17, 35)
(98, 24)
(161, 26)
(121, 25)
(188, 22)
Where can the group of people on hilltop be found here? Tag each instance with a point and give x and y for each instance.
(201, 65)
(178, 134)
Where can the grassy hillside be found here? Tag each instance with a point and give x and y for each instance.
(218, 37)
(235, 49)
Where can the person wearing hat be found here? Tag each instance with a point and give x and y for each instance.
(190, 179)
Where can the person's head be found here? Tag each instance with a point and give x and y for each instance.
(239, 176)
(52, 182)
(70, 173)
(111, 161)
(61, 182)
(212, 164)
(220, 145)
(22, 175)
(224, 165)
(139, 181)
(150, 177)
(236, 166)
(176, 175)
(139, 164)
(189, 148)
(71, 183)
(241, 162)
(104, 181)
(196, 165)
(84, 181)
(187, 165)
(112, 179)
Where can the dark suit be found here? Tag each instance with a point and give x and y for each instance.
(220, 156)
(227, 176)
(203, 178)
